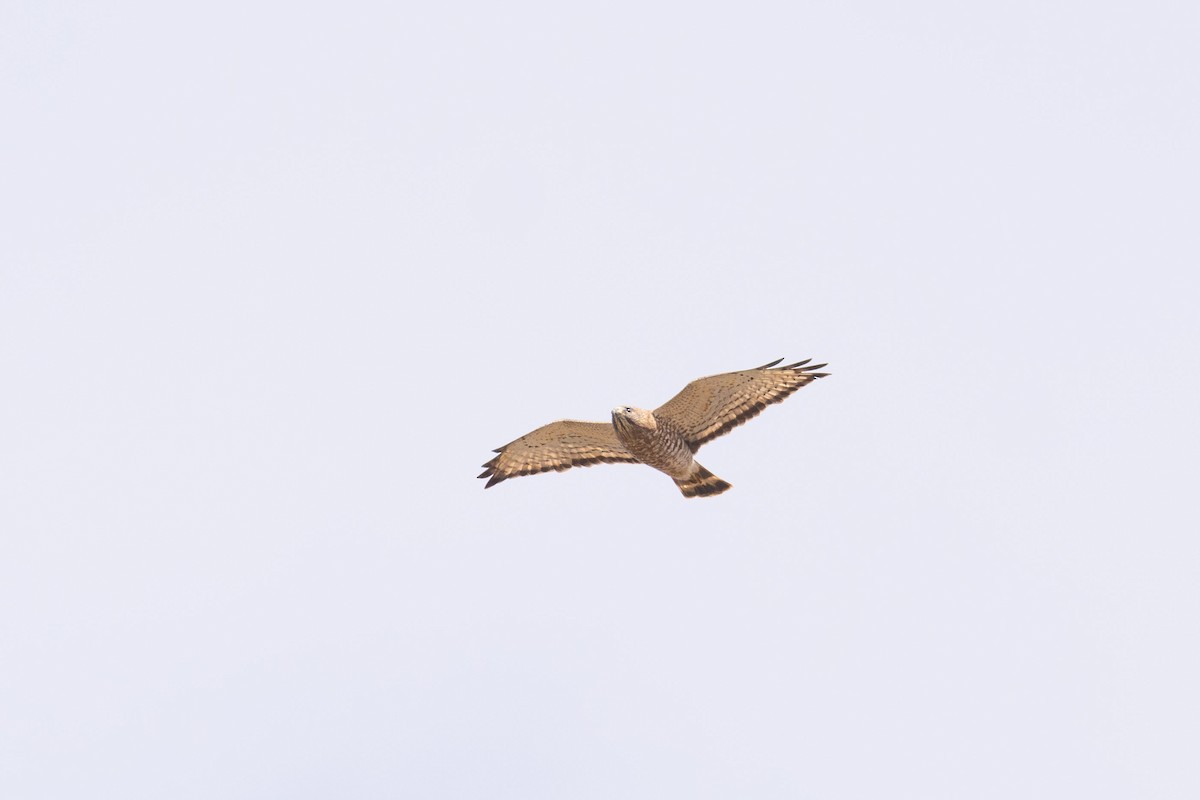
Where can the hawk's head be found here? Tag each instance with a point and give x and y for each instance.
(631, 416)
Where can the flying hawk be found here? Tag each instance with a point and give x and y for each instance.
(665, 438)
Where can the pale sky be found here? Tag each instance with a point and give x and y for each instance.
(275, 278)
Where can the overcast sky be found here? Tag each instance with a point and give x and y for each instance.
(275, 278)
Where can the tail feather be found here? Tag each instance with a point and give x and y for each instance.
(702, 483)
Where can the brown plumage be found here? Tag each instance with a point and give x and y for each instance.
(665, 438)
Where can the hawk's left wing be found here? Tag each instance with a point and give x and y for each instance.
(709, 407)
(557, 446)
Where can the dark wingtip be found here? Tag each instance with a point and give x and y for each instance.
(804, 366)
(807, 369)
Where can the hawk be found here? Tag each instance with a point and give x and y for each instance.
(665, 438)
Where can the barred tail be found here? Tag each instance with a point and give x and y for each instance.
(702, 483)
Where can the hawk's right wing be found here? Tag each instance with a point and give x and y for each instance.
(557, 446)
(709, 407)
